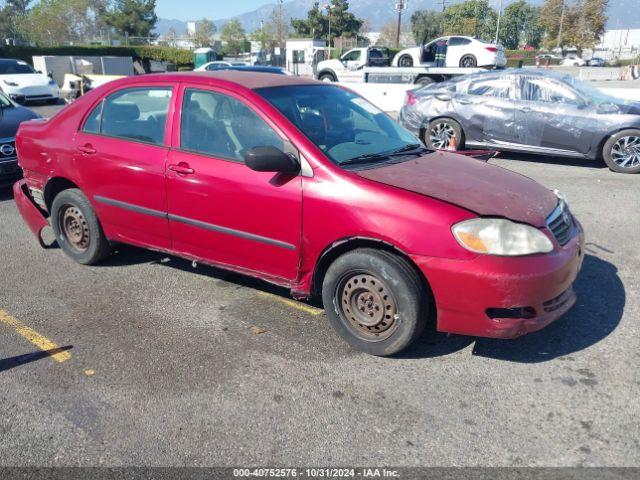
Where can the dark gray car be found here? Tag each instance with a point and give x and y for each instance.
(11, 115)
(529, 111)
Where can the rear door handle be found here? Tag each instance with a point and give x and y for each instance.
(87, 149)
(182, 168)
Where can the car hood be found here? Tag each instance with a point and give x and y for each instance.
(27, 79)
(472, 184)
(10, 119)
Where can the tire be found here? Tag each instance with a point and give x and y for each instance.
(327, 77)
(424, 81)
(405, 61)
(623, 147)
(468, 61)
(434, 129)
(77, 228)
(393, 297)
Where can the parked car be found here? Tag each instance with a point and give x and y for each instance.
(531, 111)
(11, 115)
(219, 65)
(596, 62)
(306, 185)
(20, 82)
(466, 52)
(210, 67)
(573, 60)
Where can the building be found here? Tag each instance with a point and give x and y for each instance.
(619, 44)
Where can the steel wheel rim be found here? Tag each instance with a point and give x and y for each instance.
(441, 134)
(626, 152)
(467, 62)
(75, 228)
(368, 306)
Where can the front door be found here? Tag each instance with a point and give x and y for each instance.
(122, 147)
(219, 209)
(553, 117)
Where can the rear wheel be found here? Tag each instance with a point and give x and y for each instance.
(424, 81)
(440, 131)
(327, 77)
(468, 61)
(375, 301)
(621, 152)
(77, 228)
(405, 61)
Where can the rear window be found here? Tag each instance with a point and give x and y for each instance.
(15, 67)
(138, 114)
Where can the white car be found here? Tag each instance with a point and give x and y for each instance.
(218, 65)
(573, 60)
(465, 52)
(20, 82)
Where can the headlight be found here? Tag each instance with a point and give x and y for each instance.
(498, 236)
(11, 84)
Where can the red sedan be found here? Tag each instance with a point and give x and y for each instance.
(309, 186)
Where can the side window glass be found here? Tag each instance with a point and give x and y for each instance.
(138, 114)
(494, 87)
(542, 90)
(221, 126)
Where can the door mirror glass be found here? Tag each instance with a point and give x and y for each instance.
(271, 159)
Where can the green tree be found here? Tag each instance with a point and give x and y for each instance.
(273, 33)
(472, 18)
(133, 18)
(553, 12)
(343, 22)
(235, 37)
(589, 18)
(61, 22)
(315, 25)
(203, 36)
(11, 15)
(520, 25)
(426, 25)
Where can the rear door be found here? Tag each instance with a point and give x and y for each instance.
(120, 152)
(219, 209)
(552, 115)
(486, 108)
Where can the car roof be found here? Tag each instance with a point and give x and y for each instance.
(249, 80)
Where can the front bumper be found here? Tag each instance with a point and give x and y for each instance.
(30, 94)
(31, 214)
(469, 293)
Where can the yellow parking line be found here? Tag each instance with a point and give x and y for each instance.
(43, 343)
(293, 304)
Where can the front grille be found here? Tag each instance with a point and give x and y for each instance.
(561, 223)
(558, 302)
(7, 149)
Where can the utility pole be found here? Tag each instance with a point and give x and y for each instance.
(560, 28)
(498, 26)
(444, 4)
(401, 6)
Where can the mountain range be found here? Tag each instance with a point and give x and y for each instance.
(379, 12)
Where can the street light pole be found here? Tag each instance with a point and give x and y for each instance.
(401, 6)
(498, 25)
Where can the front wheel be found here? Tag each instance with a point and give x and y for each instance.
(77, 228)
(327, 77)
(375, 301)
(621, 152)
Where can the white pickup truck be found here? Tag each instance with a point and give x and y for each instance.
(371, 65)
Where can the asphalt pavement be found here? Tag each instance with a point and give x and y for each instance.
(159, 363)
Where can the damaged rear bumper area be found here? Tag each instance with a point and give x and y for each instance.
(500, 297)
(31, 214)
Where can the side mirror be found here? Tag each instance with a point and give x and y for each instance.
(271, 159)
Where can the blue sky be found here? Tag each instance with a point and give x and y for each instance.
(190, 9)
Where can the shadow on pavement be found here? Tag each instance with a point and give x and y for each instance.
(13, 362)
(544, 159)
(597, 313)
(6, 193)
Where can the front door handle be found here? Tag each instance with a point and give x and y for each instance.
(87, 149)
(182, 168)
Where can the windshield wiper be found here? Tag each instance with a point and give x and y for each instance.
(411, 149)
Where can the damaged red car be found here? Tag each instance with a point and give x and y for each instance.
(308, 186)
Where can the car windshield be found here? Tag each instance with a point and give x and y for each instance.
(15, 67)
(346, 127)
(4, 101)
